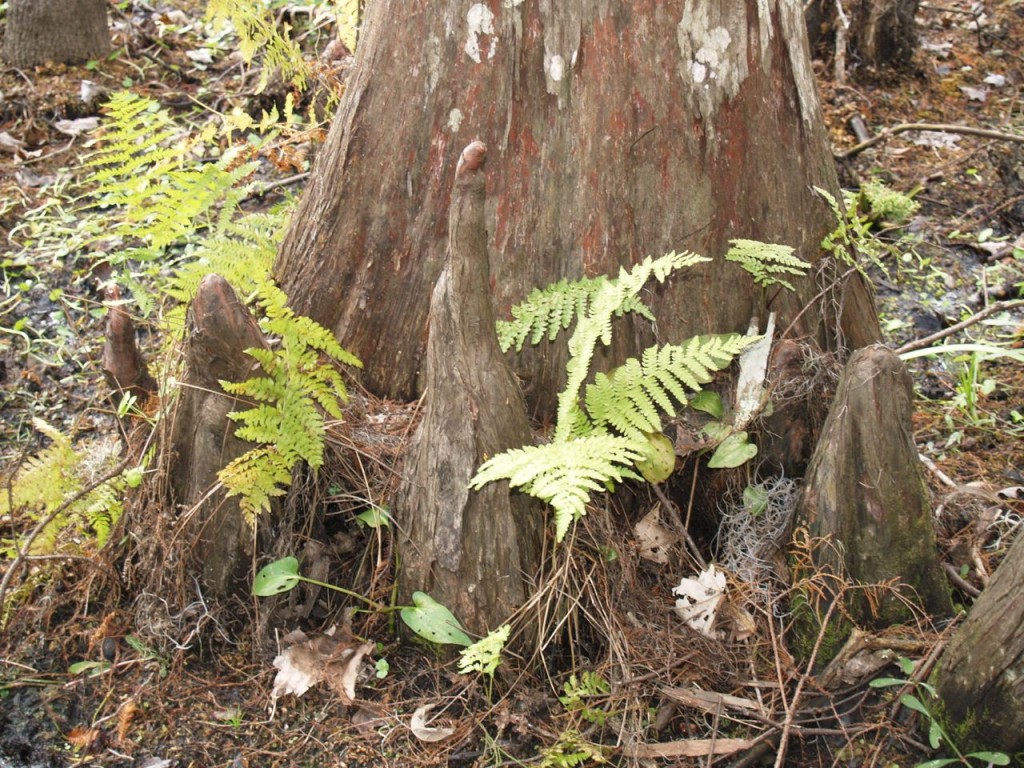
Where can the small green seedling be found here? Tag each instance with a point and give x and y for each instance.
(937, 735)
(426, 617)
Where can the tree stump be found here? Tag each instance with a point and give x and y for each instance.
(220, 328)
(865, 492)
(470, 550)
(981, 672)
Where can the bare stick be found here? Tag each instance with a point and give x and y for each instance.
(963, 130)
(992, 309)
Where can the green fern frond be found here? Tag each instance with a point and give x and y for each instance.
(596, 325)
(136, 138)
(242, 251)
(51, 477)
(257, 477)
(564, 474)
(296, 383)
(767, 262)
(258, 33)
(547, 311)
(632, 397)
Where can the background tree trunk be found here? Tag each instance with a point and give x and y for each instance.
(616, 129)
(881, 33)
(981, 672)
(63, 31)
(865, 493)
(451, 536)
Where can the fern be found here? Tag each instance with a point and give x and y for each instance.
(258, 34)
(596, 325)
(242, 251)
(547, 311)
(631, 398)
(47, 480)
(767, 262)
(607, 438)
(144, 197)
(564, 473)
(286, 419)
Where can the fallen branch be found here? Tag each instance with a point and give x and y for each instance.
(963, 130)
(977, 317)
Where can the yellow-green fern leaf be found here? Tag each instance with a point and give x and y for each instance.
(564, 474)
(767, 262)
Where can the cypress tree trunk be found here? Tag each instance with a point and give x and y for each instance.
(62, 31)
(617, 130)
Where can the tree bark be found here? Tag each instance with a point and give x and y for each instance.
(220, 328)
(453, 537)
(124, 367)
(62, 31)
(981, 672)
(865, 493)
(617, 130)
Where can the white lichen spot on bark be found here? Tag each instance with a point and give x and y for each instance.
(455, 120)
(556, 67)
(512, 3)
(480, 20)
(718, 46)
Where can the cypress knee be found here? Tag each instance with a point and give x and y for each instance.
(473, 551)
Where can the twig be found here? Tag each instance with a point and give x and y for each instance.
(787, 723)
(963, 130)
(269, 186)
(942, 476)
(842, 32)
(23, 553)
(673, 510)
(992, 309)
(959, 582)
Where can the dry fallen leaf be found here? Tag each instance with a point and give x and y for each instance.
(653, 539)
(424, 732)
(323, 657)
(342, 673)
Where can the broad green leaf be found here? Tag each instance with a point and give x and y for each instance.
(934, 734)
(995, 758)
(434, 622)
(912, 702)
(708, 402)
(886, 682)
(659, 458)
(280, 576)
(375, 517)
(938, 763)
(734, 451)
